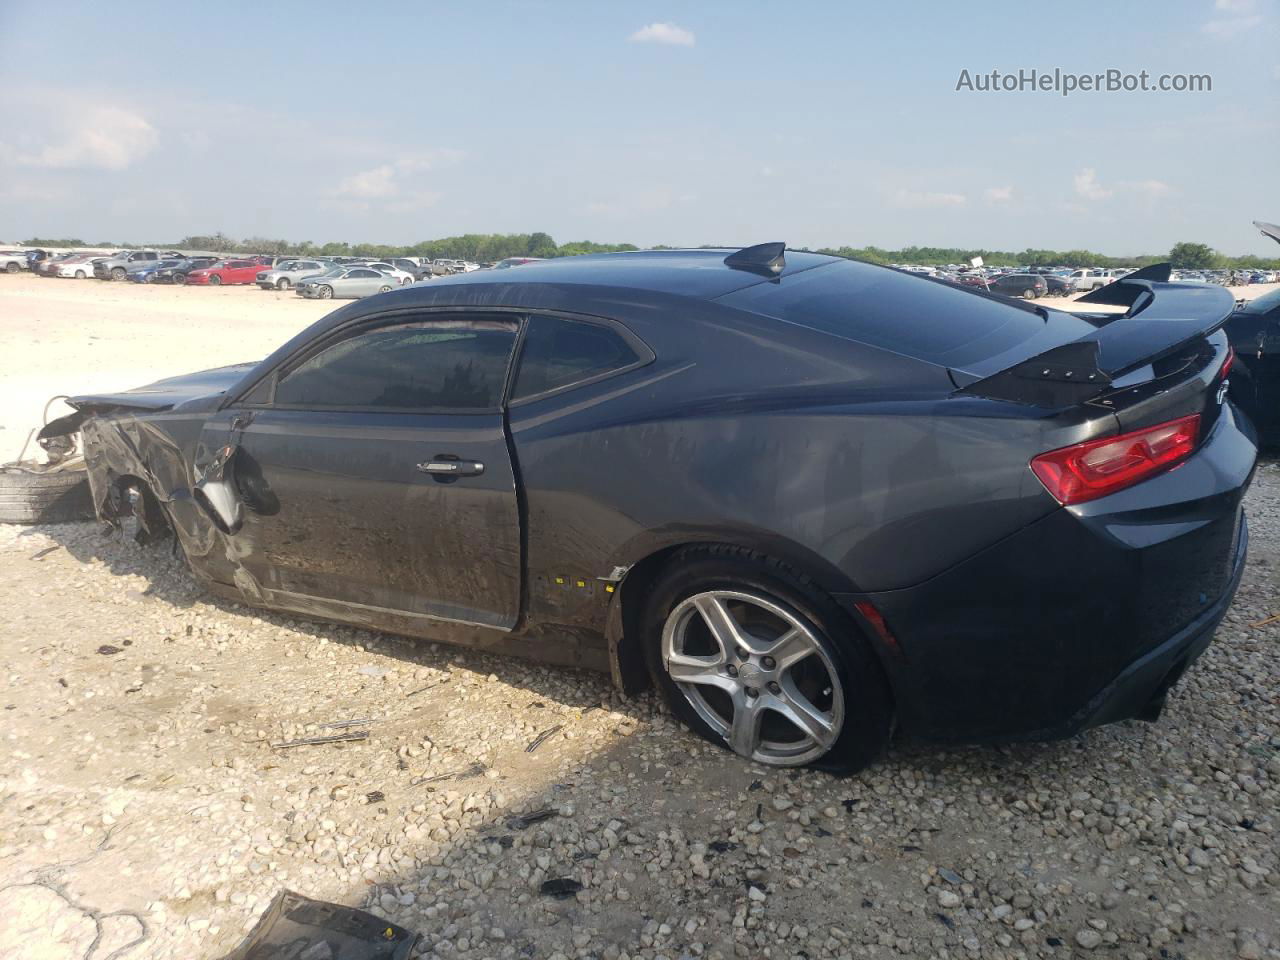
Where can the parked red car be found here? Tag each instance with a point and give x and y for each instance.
(226, 271)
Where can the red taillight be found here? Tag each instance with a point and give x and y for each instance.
(1227, 363)
(1096, 468)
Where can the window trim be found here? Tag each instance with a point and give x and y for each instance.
(348, 332)
(644, 355)
(518, 315)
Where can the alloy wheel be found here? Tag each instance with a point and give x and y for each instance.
(756, 674)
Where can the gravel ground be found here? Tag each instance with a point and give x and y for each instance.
(142, 800)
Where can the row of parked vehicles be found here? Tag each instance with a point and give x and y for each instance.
(268, 272)
(1032, 283)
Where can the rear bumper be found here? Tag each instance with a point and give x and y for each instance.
(1085, 617)
(1140, 689)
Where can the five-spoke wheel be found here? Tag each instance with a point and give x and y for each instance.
(752, 654)
(756, 675)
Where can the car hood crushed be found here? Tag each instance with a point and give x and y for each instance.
(168, 393)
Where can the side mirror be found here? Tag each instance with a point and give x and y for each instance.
(216, 492)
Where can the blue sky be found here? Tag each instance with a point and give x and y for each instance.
(681, 123)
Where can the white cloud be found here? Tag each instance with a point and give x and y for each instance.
(913, 200)
(667, 33)
(998, 194)
(369, 184)
(387, 181)
(1231, 27)
(104, 138)
(1240, 18)
(1087, 186)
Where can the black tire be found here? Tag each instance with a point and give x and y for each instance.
(325, 292)
(1028, 294)
(118, 273)
(179, 278)
(868, 702)
(12, 268)
(283, 283)
(215, 280)
(30, 494)
(385, 288)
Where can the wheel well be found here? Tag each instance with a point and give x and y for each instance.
(153, 521)
(626, 655)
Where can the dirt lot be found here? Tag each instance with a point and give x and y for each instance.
(142, 800)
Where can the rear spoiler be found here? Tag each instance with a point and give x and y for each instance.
(1162, 318)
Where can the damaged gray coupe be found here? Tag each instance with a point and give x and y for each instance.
(810, 499)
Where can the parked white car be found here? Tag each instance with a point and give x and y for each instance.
(402, 277)
(287, 273)
(1089, 278)
(13, 261)
(78, 267)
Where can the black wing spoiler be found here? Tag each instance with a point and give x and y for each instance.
(1162, 318)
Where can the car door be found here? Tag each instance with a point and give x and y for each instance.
(366, 282)
(373, 471)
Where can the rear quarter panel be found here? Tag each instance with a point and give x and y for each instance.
(864, 479)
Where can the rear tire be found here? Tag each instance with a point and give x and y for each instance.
(1028, 294)
(385, 288)
(180, 279)
(32, 494)
(839, 679)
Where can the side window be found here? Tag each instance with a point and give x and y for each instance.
(456, 365)
(560, 352)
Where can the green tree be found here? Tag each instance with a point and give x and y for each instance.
(1192, 256)
(541, 245)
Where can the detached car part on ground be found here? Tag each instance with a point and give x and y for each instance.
(807, 498)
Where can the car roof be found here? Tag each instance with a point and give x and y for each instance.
(700, 274)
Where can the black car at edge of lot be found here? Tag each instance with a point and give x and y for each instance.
(1029, 286)
(810, 499)
(1254, 332)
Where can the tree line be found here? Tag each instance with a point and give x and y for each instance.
(489, 247)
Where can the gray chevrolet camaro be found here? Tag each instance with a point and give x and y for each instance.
(809, 499)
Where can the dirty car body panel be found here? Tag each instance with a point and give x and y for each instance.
(867, 427)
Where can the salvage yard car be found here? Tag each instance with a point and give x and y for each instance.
(811, 499)
(288, 272)
(226, 271)
(346, 283)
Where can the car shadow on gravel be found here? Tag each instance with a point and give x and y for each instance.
(168, 580)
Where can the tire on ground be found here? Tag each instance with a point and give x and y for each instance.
(869, 713)
(32, 494)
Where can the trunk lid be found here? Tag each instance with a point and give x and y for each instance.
(1163, 352)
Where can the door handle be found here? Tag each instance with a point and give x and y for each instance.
(443, 468)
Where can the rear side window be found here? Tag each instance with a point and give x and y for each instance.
(558, 353)
(932, 321)
(439, 364)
